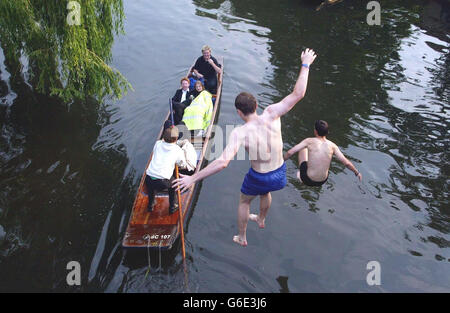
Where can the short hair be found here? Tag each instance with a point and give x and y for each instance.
(171, 134)
(246, 103)
(321, 127)
(186, 79)
(199, 82)
(205, 48)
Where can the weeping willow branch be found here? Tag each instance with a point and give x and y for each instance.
(65, 60)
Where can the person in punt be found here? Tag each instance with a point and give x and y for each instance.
(181, 100)
(166, 153)
(206, 68)
(197, 116)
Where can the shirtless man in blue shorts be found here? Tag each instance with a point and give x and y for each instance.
(261, 137)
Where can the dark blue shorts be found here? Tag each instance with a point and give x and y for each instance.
(261, 183)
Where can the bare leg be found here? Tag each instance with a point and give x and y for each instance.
(302, 157)
(264, 204)
(243, 212)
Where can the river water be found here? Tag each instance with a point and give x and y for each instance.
(68, 176)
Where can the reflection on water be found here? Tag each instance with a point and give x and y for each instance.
(68, 177)
(55, 187)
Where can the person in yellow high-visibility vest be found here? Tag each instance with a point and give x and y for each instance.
(197, 116)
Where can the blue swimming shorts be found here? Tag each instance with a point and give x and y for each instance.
(261, 183)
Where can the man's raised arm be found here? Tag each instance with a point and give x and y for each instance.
(234, 142)
(278, 109)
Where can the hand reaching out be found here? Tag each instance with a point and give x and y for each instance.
(308, 56)
(183, 183)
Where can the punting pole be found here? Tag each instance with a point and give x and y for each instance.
(180, 211)
(180, 215)
(171, 111)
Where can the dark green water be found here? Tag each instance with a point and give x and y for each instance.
(68, 176)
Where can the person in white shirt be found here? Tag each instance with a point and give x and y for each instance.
(166, 153)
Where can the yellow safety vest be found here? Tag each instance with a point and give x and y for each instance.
(199, 113)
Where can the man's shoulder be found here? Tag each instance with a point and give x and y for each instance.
(240, 130)
(199, 59)
(330, 142)
(215, 61)
(269, 114)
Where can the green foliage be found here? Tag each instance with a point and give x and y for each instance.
(69, 61)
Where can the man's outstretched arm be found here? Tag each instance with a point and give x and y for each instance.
(234, 142)
(346, 162)
(302, 145)
(278, 109)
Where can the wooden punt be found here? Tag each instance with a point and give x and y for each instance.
(158, 229)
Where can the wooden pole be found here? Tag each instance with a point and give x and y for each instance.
(180, 215)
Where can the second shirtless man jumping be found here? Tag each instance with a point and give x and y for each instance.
(314, 157)
(261, 137)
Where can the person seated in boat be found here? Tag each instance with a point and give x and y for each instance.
(198, 88)
(206, 67)
(179, 110)
(166, 153)
(197, 116)
(182, 99)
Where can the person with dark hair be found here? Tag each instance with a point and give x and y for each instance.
(261, 137)
(166, 153)
(206, 67)
(314, 157)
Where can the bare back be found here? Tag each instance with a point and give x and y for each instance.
(263, 142)
(320, 153)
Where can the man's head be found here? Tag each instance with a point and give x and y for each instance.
(185, 83)
(321, 128)
(171, 134)
(206, 52)
(245, 103)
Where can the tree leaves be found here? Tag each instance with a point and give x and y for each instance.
(67, 61)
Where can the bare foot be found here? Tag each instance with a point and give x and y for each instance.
(240, 241)
(255, 218)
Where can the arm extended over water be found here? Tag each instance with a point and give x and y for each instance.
(214, 167)
(278, 109)
(346, 162)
